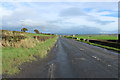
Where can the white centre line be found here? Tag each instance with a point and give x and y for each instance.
(51, 71)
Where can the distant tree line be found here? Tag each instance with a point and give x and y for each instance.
(25, 29)
(36, 31)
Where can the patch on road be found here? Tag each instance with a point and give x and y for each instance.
(80, 59)
(81, 49)
(96, 58)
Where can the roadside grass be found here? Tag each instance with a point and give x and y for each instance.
(100, 37)
(13, 57)
(34, 34)
(97, 37)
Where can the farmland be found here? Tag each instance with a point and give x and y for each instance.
(99, 37)
(20, 47)
(108, 41)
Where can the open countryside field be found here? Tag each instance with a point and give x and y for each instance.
(16, 50)
(108, 41)
(99, 37)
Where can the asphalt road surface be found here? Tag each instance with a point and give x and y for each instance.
(73, 59)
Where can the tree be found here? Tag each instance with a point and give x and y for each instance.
(36, 31)
(24, 29)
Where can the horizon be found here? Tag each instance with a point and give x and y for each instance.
(65, 33)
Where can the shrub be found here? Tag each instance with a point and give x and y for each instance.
(24, 29)
(36, 31)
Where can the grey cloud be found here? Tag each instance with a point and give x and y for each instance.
(73, 11)
(55, 21)
(81, 30)
(103, 22)
(60, 22)
(94, 19)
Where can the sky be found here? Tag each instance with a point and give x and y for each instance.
(61, 17)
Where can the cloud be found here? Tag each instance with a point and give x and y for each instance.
(97, 20)
(60, 1)
(76, 12)
(29, 22)
(59, 17)
(5, 12)
(81, 29)
(72, 12)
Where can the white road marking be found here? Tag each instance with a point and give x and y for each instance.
(51, 71)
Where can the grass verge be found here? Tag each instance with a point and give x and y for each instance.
(12, 57)
(99, 37)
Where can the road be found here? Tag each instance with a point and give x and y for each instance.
(73, 59)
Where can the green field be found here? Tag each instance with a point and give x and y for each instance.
(30, 50)
(97, 37)
(107, 47)
(33, 34)
(100, 37)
